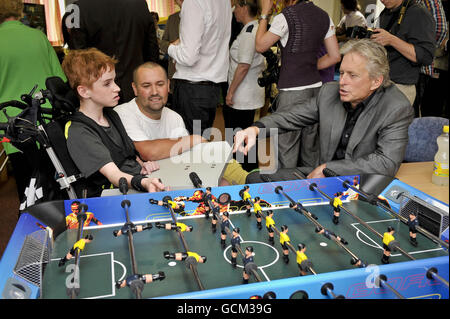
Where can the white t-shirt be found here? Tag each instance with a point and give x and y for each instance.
(279, 26)
(354, 18)
(142, 128)
(248, 95)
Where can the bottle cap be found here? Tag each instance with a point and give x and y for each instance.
(445, 129)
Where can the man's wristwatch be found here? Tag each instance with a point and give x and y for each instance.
(264, 16)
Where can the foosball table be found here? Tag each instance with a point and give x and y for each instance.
(178, 244)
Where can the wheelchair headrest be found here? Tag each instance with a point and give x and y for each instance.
(62, 97)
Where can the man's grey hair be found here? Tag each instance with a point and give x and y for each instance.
(374, 53)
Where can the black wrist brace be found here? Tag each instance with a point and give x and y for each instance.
(136, 183)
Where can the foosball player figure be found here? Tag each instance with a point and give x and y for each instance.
(223, 228)
(177, 206)
(175, 226)
(413, 222)
(258, 211)
(79, 245)
(131, 227)
(146, 279)
(302, 259)
(388, 238)
(207, 196)
(245, 195)
(358, 263)
(247, 259)
(329, 234)
(235, 241)
(337, 204)
(184, 256)
(269, 223)
(284, 240)
(215, 215)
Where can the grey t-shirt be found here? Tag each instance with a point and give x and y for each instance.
(90, 154)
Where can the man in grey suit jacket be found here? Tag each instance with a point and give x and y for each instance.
(363, 119)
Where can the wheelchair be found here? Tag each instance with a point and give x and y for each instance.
(38, 132)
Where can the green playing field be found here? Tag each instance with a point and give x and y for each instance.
(107, 258)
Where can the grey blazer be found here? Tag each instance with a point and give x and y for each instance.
(378, 141)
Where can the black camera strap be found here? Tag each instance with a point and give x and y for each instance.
(398, 16)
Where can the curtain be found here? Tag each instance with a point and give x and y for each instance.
(164, 7)
(52, 20)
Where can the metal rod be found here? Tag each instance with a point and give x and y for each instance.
(380, 204)
(310, 217)
(432, 273)
(313, 186)
(382, 280)
(126, 204)
(238, 248)
(291, 248)
(185, 247)
(81, 218)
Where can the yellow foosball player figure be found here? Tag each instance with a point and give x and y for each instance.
(185, 256)
(79, 245)
(284, 240)
(388, 241)
(258, 211)
(269, 223)
(337, 204)
(174, 226)
(177, 206)
(302, 260)
(246, 197)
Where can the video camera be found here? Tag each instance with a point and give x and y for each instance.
(272, 72)
(359, 32)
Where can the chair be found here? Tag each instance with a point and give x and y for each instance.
(423, 133)
(42, 138)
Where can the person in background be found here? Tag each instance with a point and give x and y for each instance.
(244, 95)
(159, 31)
(299, 77)
(202, 59)
(26, 59)
(352, 18)
(171, 33)
(433, 79)
(407, 30)
(124, 30)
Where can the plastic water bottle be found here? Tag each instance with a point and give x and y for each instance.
(440, 171)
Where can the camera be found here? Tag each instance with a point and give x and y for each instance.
(358, 32)
(272, 72)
